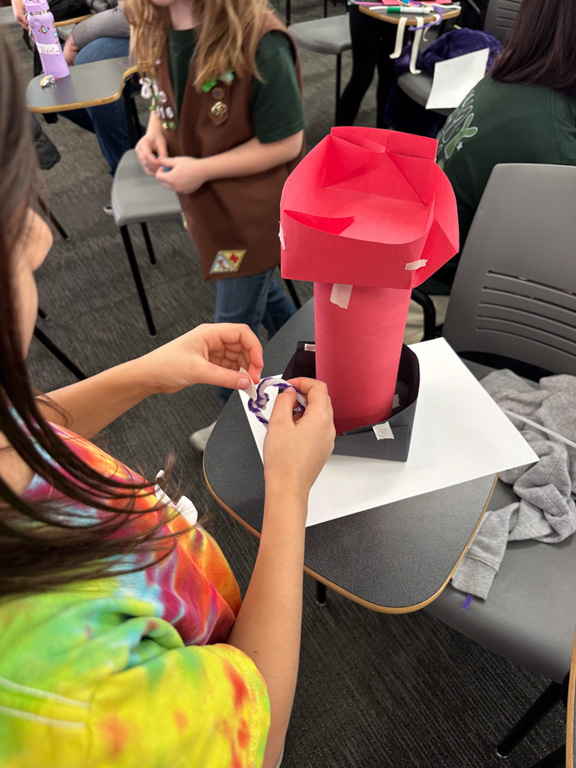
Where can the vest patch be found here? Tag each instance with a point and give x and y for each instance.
(227, 261)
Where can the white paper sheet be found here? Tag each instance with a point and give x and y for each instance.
(459, 434)
(455, 78)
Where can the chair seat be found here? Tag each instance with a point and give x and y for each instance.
(418, 88)
(533, 581)
(137, 197)
(329, 35)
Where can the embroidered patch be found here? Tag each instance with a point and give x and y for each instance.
(227, 261)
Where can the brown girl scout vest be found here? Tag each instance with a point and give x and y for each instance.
(234, 222)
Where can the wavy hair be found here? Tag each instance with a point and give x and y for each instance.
(227, 35)
(540, 49)
(42, 547)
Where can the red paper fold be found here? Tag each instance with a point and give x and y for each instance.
(367, 208)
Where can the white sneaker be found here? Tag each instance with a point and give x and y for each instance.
(199, 439)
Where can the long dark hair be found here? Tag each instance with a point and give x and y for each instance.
(42, 547)
(540, 49)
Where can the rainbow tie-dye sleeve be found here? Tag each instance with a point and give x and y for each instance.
(130, 671)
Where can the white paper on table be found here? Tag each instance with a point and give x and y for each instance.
(459, 434)
(455, 78)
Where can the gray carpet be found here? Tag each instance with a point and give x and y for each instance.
(374, 689)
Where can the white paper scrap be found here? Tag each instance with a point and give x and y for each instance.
(383, 431)
(455, 78)
(459, 434)
(341, 295)
(251, 388)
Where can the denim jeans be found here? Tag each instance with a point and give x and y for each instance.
(255, 300)
(109, 121)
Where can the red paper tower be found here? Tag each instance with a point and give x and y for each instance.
(367, 216)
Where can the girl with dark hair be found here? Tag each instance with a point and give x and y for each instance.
(523, 111)
(123, 639)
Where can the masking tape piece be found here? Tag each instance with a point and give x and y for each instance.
(383, 431)
(341, 295)
(416, 264)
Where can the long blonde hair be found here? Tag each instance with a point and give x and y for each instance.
(227, 35)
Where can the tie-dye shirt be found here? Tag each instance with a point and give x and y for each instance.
(130, 671)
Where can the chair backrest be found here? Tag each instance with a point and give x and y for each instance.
(514, 293)
(500, 17)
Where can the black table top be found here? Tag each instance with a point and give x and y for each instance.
(394, 558)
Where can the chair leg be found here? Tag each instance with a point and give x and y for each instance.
(54, 221)
(288, 12)
(138, 280)
(338, 79)
(320, 593)
(543, 704)
(148, 242)
(42, 314)
(292, 292)
(57, 352)
(429, 328)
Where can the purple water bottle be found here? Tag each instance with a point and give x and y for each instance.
(45, 36)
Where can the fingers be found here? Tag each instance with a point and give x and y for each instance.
(242, 347)
(283, 407)
(224, 377)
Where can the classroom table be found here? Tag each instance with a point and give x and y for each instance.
(396, 558)
(87, 85)
(411, 21)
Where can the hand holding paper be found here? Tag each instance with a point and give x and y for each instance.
(209, 354)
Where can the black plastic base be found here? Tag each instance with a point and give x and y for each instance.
(363, 441)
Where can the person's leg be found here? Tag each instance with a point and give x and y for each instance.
(109, 120)
(386, 76)
(279, 309)
(365, 34)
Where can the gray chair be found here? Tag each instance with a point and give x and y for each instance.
(329, 35)
(137, 199)
(500, 18)
(514, 295)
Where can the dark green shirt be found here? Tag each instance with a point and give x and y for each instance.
(500, 123)
(276, 103)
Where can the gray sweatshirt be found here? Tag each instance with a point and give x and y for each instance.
(546, 510)
(108, 20)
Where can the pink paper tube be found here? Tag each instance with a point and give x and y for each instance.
(358, 351)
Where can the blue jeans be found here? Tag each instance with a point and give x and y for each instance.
(109, 121)
(255, 300)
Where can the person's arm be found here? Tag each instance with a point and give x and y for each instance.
(187, 174)
(269, 623)
(110, 23)
(209, 354)
(19, 13)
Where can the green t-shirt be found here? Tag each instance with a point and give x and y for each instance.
(276, 104)
(500, 123)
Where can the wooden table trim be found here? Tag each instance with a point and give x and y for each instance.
(335, 587)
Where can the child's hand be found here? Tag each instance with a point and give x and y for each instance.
(209, 354)
(181, 174)
(297, 447)
(148, 149)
